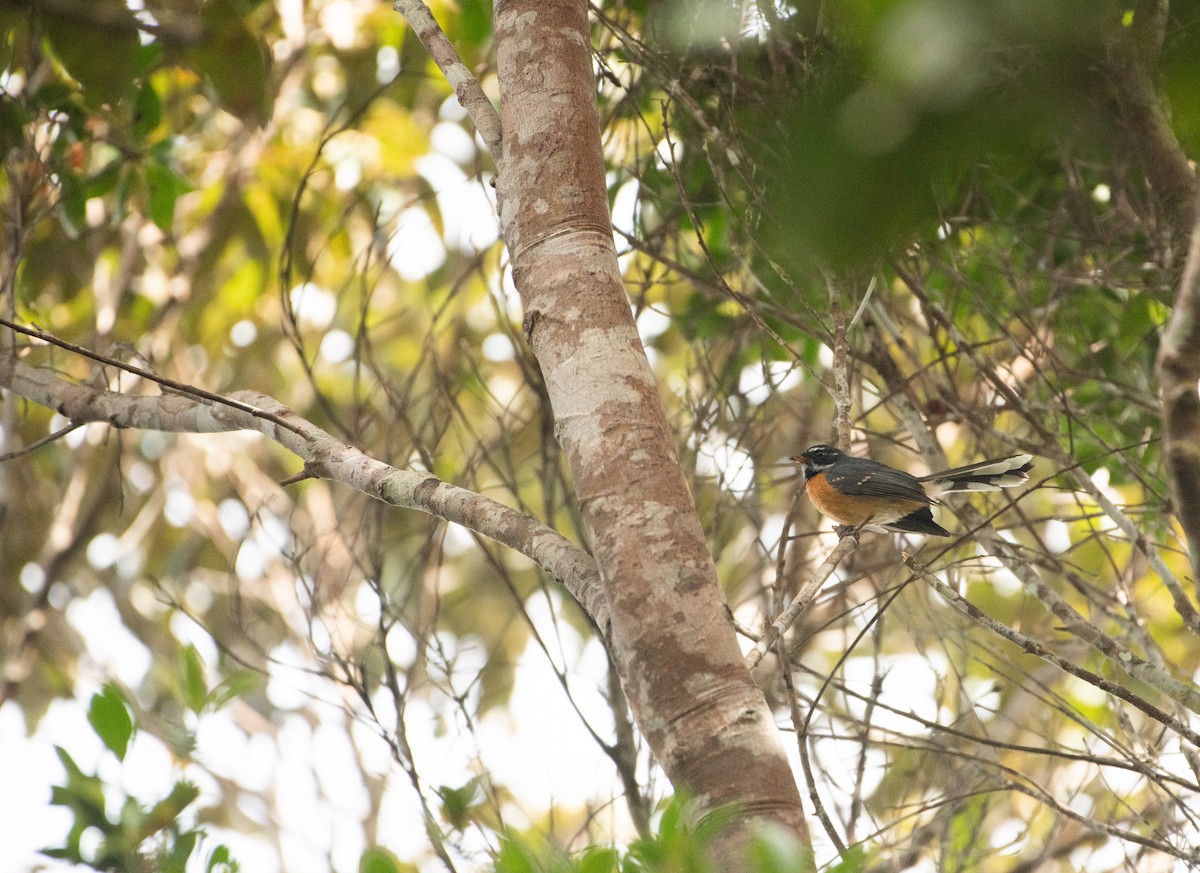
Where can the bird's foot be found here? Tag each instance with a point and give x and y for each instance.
(846, 530)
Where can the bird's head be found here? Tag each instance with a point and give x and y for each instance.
(814, 459)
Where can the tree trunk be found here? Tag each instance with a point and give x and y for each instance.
(706, 721)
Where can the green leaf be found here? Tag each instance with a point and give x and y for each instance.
(456, 803)
(82, 794)
(129, 180)
(853, 860)
(110, 719)
(68, 763)
(164, 186)
(516, 857)
(476, 21)
(104, 69)
(239, 683)
(222, 861)
(147, 111)
(105, 181)
(235, 61)
(195, 680)
(13, 117)
(180, 850)
(164, 813)
(599, 860)
(72, 200)
(380, 860)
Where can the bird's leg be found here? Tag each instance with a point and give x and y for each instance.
(848, 530)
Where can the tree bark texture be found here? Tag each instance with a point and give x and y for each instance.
(706, 721)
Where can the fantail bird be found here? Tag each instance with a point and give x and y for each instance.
(859, 492)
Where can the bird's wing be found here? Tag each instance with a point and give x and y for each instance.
(864, 478)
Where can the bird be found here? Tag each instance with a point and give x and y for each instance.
(859, 493)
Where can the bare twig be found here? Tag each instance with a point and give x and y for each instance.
(1182, 692)
(1192, 509)
(109, 360)
(801, 725)
(46, 440)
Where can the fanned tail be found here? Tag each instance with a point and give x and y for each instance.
(984, 476)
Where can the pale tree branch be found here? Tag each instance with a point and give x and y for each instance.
(1179, 374)
(466, 86)
(841, 369)
(323, 456)
(108, 360)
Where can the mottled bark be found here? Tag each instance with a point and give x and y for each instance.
(704, 718)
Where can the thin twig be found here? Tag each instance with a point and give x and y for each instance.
(46, 440)
(801, 725)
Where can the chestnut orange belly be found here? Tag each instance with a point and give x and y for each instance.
(857, 509)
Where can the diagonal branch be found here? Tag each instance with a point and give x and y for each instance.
(108, 360)
(466, 86)
(1181, 691)
(323, 456)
